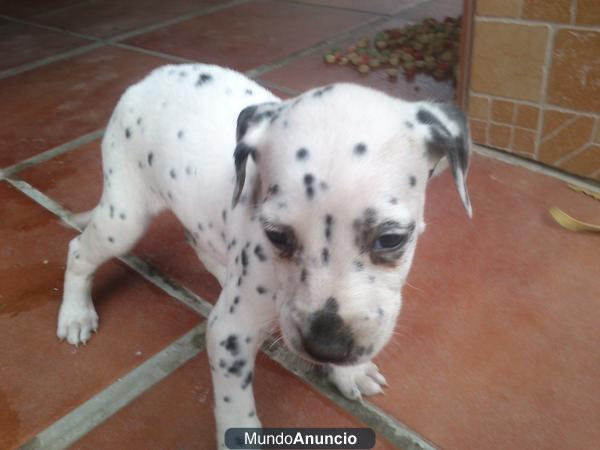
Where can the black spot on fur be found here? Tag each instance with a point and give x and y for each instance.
(180, 134)
(112, 211)
(200, 227)
(248, 92)
(360, 148)
(122, 216)
(320, 92)
(412, 180)
(303, 275)
(409, 124)
(309, 179)
(189, 170)
(328, 225)
(393, 200)
(222, 364)
(247, 381)
(302, 154)
(325, 255)
(251, 414)
(244, 257)
(273, 189)
(224, 215)
(203, 78)
(111, 239)
(260, 254)
(173, 173)
(231, 344)
(226, 399)
(358, 266)
(236, 367)
(139, 121)
(127, 133)
(261, 289)
(150, 158)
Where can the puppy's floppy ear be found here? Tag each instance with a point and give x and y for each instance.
(448, 136)
(251, 123)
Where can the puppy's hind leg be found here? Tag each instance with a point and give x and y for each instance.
(115, 225)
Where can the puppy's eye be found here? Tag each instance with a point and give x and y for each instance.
(390, 241)
(283, 239)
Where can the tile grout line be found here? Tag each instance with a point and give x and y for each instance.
(98, 42)
(49, 154)
(261, 70)
(345, 8)
(178, 19)
(49, 60)
(184, 295)
(534, 23)
(270, 85)
(91, 413)
(518, 101)
(364, 411)
(145, 51)
(535, 166)
(342, 8)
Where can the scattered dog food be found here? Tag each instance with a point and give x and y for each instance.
(430, 47)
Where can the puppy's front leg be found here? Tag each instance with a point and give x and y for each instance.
(236, 329)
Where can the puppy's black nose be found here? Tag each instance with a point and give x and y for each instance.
(328, 339)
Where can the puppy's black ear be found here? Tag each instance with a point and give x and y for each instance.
(448, 136)
(251, 123)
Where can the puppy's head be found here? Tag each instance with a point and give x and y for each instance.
(343, 173)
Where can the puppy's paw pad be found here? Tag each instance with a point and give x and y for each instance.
(356, 381)
(77, 323)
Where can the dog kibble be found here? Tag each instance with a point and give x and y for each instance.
(430, 47)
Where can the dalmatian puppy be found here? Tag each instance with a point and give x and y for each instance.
(307, 211)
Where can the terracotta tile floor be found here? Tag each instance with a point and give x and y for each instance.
(497, 346)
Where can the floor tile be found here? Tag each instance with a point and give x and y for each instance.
(311, 71)
(376, 6)
(436, 9)
(51, 105)
(251, 34)
(21, 44)
(43, 378)
(108, 18)
(26, 8)
(74, 179)
(177, 413)
(496, 347)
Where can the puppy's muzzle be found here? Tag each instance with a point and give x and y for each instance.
(329, 339)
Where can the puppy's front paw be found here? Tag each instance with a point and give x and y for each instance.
(77, 322)
(354, 381)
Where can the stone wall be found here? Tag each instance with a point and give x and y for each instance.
(535, 81)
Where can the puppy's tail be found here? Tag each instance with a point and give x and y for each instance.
(79, 220)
